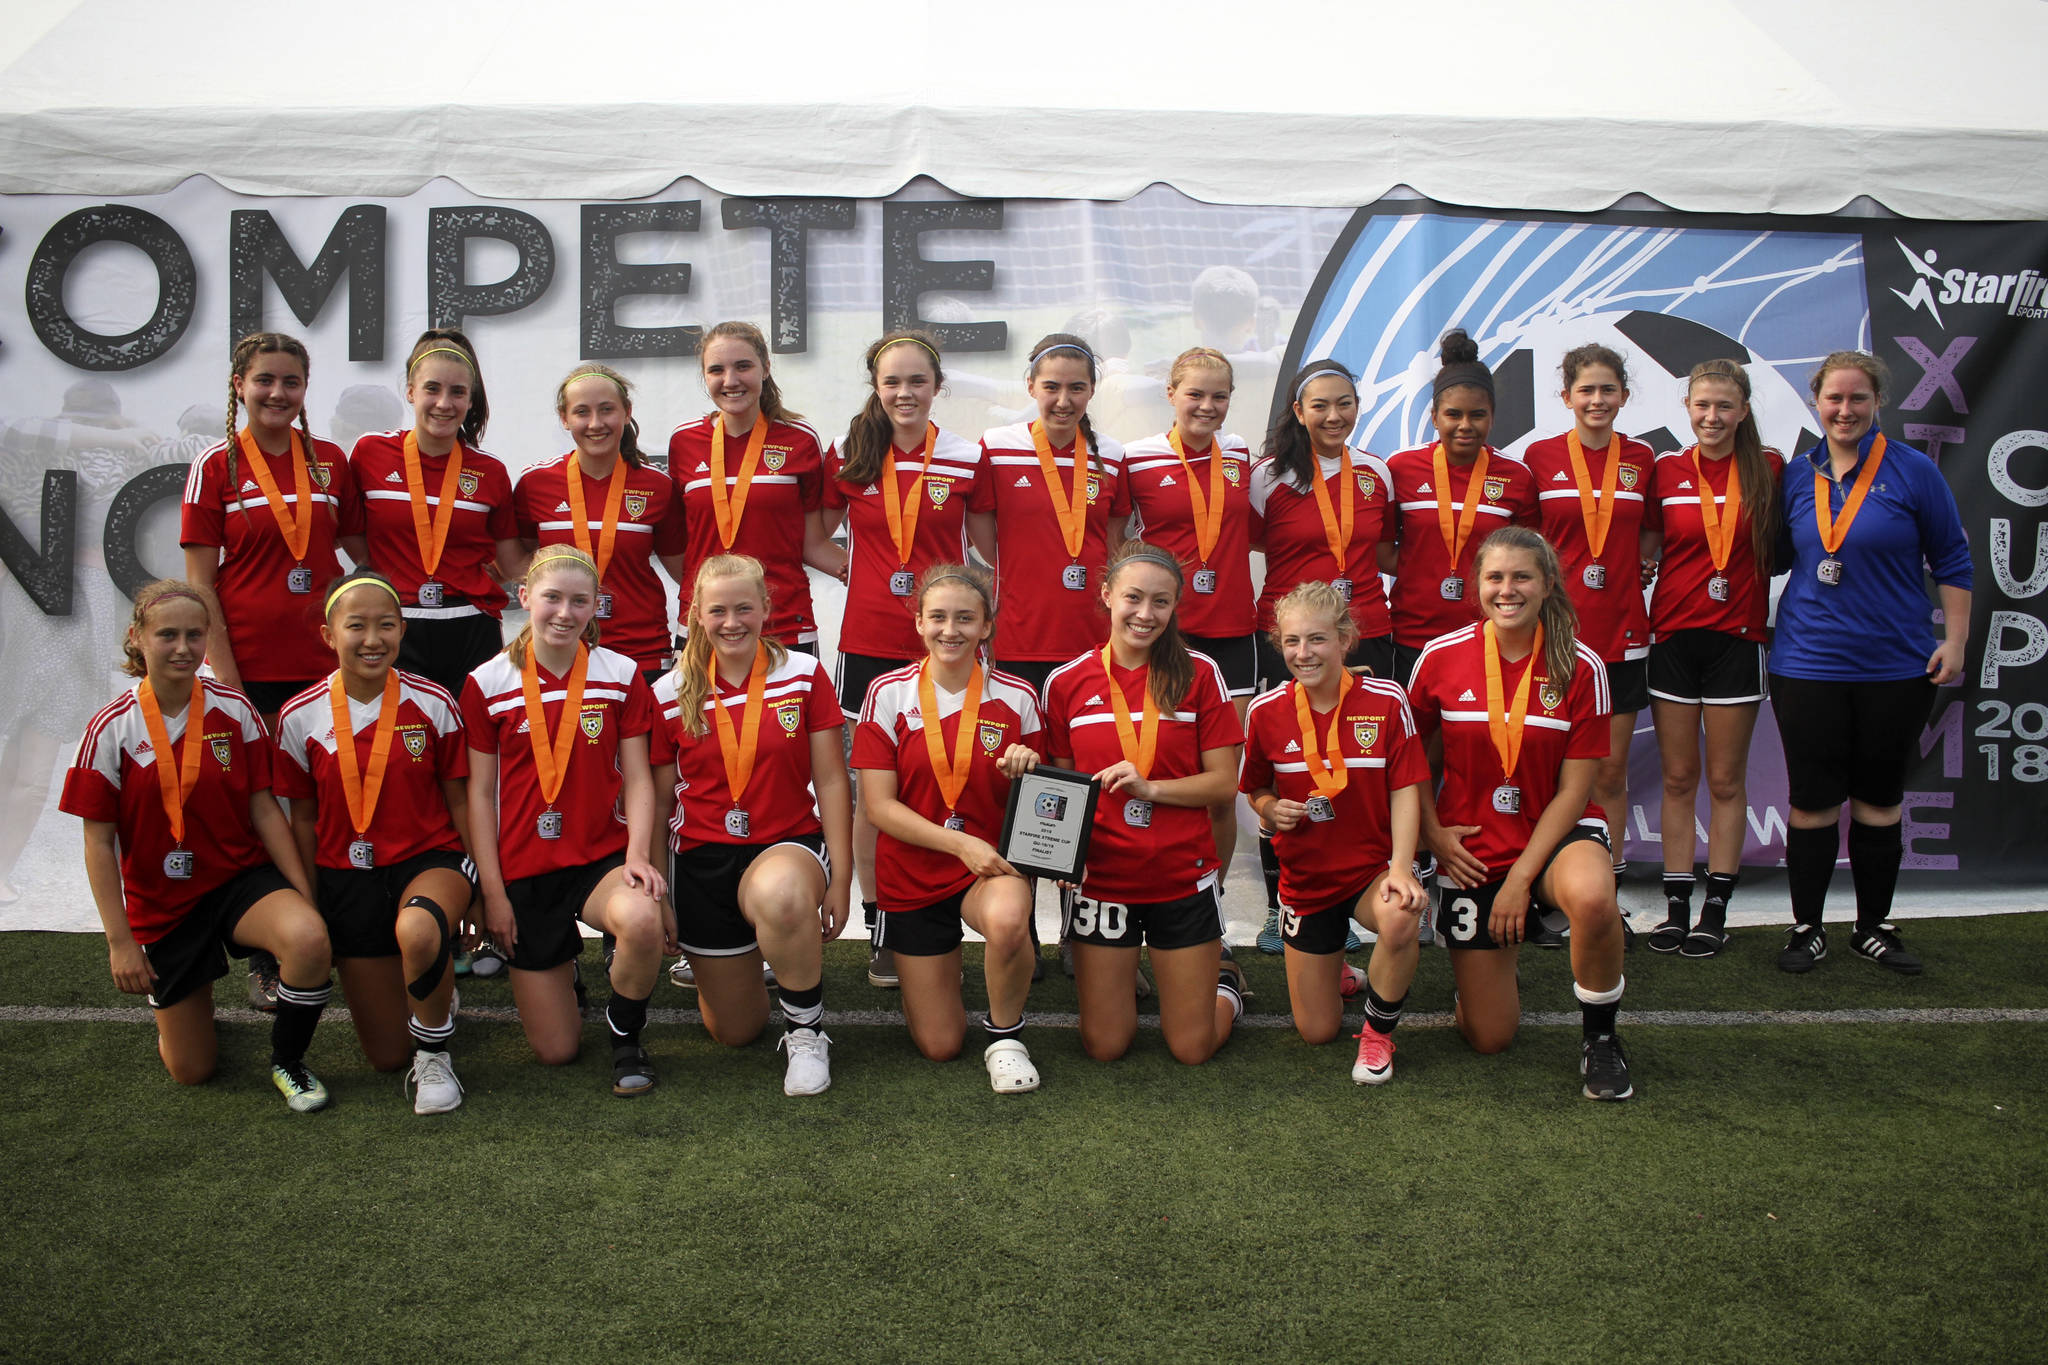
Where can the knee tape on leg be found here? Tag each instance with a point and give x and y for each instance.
(422, 986)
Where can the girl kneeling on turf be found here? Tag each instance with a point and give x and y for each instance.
(187, 852)
(381, 822)
(1332, 765)
(1152, 721)
(561, 816)
(748, 730)
(1521, 709)
(936, 800)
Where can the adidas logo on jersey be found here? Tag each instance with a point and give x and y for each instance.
(703, 468)
(1166, 480)
(248, 487)
(1685, 483)
(1558, 477)
(1095, 700)
(393, 477)
(1466, 695)
(1425, 488)
(1022, 482)
(869, 492)
(561, 507)
(1293, 747)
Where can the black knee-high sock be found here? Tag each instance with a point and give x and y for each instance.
(997, 1032)
(298, 1014)
(625, 1016)
(1269, 867)
(1598, 1009)
(1875, 852)
(431, 1037)
(1714, 910)
(1678, 898)
(1809, 866)
(803, 1009)
(1382, 1014)
(868, 911)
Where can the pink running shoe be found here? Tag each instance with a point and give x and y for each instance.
(1350, 982)
(1375, 1064)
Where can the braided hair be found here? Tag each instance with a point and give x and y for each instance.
(243, 357)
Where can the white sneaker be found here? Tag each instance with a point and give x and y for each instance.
(1009, 1067)
(436, 1089)
(682, 974)
(810, 1062)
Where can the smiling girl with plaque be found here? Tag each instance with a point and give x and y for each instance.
(1520, 706)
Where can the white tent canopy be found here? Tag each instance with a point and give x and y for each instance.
(1713, 106)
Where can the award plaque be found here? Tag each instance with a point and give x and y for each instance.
(1046, 828)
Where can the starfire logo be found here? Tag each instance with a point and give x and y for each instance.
(2021, 294)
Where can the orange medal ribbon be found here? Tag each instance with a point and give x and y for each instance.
(1507, 721)
(434, 538)
(738, 750)
(176, 773)
(1330, 775)
(608, 529)
(1475, 483)
(1720, 526)
(1832, 532)
(1071, 507)
(298, 529)
(1208, 511)
(362, 788)
(952, 775)
(729, 506)
(1597, 511)
(1139, 742)
(902, 516)
(1337, 521)
(551, 764)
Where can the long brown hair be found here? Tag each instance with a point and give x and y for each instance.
(451, 339)
(629, 435)
(870, 434)
(1066, 343)
(693, 664)
(980, 580)
(771, 396)
(244, 355)
(1172, 668)
(546, 560)
(1558, 617)
(148, 599)
(1759, 480)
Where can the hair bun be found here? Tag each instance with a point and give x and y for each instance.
(1457, 348)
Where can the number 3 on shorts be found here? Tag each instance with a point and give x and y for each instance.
(1463, 914)
(1107, 919)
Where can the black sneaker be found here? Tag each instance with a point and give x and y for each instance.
(1544, 934)
(1881, 945)
(1605, 1068)
(262, 982)
(882, 969)
(1804, 949)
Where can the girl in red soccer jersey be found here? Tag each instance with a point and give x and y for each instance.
(561, 816)
(1594, 503)
(438, 513)
(1333, 766)
(1058, 497)
(1451, 495)
(1319, 511)
(1518, 706)
(938, 800)
(263, 513)
(901, 484)
(1150, 720)
(617, 511)
(1718, 500)
(750, 478)
(760, 871)
(187, 852)
(380, 823)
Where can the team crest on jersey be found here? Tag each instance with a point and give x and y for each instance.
(1365, 485)
(789, 714)
(636, 505)
(416, 742)
(1232, 472)
(1552, 696)
(1366, 732)
(1496, 489)
(222, 751)
(938, 490)
(1094, 487)
(468, 482)
(991, 734)
(1627, 476)
(321, 475)
(775, 459)
(592, 721)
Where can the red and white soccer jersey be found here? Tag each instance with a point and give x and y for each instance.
(878, 622)
(483, 516)
(797, 700)
(1041, 616)
(1682, 598)
(616, 707)
(891, 737)
(1322, 860)
(788, 485)
(1128, 861)
(1612, 617)
(1448, 693)
(428, 747)
(1219, 606)
(274, 632)
(1507, 497)
(1289, 521)
(114, 780)
(649, 525)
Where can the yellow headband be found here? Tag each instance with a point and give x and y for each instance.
(549, 553)
(610, 379)
(467, 363)
(898, 341)
(361, 581)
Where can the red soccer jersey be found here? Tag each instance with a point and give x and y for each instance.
(1683, 596)
(788, 486)
(483, 517)
(1612, 617)
(1046, 613)
(1322, 860)
(797, 701)
(114, 780)
(274, 632)
(616, 707)
(1448, 693)
(1219, 605)
(879, 621)
(1507, 498)
(649, 526)
(427, 747)
(1127, 860)
(1289, 521)
(891, 737)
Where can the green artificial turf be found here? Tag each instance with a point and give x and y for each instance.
(1776, 1191)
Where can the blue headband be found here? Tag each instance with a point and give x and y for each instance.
(1062, 346)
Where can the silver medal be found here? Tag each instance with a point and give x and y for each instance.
(299, 580)
(1138, 814)
(736, 823)
(1507, 800)
(1829, 571)
(178, 864)
(954, 821)
(549, 826)
(362, 855)
(1320, 809)
(1205, 581)
(1594, 575)
(432, 593)
(1717, 587)
(1343, 587)
(1452, 588)
(901, 582)
(1074, 578)
(604, 606)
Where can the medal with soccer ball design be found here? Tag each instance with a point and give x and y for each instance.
(1138, 814)
(362, 855)
(901, 582)
(1320, 810)
(1833, 532)
(1507, 720)
(178, 865)
(1074, 578)
(1204, 581)
(1717, 587)
(1594, 576)
(1596, 507)
(549, 825)
(902, 515)
(431, 594)
(1452, 589)
(1343, 587)
(299, 581)
(737, 745)
(551, 758)
(1829, 571)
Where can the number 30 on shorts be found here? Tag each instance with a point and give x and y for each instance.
(1098, 919)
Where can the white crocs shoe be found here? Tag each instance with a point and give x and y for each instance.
(1010, 1070)
(436, 1091)
(810, 1062)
